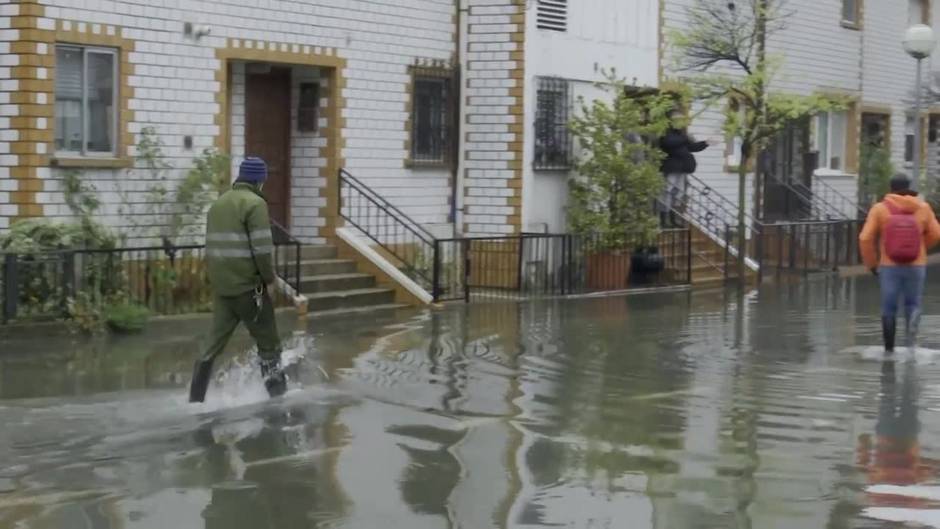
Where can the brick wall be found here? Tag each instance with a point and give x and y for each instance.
(175, 89)
(494, 121)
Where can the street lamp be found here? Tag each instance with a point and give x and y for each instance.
(919, 43)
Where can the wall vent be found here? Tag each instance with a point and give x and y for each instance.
(552, 15)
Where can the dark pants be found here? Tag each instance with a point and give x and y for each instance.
(229, 311)
(898, 282)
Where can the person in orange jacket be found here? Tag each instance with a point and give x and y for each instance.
(905, 227)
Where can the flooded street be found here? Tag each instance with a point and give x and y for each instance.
(667, 411)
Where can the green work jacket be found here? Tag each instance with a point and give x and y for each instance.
(239, 246)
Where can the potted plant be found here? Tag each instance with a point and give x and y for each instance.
(611, 199)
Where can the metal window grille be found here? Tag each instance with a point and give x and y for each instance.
(552, 15)
(432, 116)
(552, 137)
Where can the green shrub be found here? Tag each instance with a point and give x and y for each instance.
(126, 317)
(29, 236)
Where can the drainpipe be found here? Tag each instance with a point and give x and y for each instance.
(463, 30)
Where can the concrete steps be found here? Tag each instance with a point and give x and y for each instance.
(334, 285)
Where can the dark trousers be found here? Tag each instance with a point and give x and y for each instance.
(229, 311)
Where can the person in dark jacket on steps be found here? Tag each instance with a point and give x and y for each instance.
(239, 251)
(678, 164)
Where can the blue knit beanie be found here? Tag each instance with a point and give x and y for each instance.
(253, 170)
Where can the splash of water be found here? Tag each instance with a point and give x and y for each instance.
(238, 383)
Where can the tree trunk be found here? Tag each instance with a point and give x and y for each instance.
(742, 221)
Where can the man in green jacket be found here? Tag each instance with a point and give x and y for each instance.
(240, 251)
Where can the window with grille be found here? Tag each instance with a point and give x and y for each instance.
(431, 115)
(552, 15)
(552, 137)
(85, 97)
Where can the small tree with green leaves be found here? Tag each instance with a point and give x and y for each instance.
(724, 45)
(619, 168)
(174, 211)
(876, 170)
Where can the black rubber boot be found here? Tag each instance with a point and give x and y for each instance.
(202, 373)
(274, 379)
(888, 329)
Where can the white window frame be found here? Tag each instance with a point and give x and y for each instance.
(825, 157)
(116, 114)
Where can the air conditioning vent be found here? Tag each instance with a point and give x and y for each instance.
(552, 15)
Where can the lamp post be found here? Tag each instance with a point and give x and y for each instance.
(919, 43)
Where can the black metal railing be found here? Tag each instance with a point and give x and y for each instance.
(545, 265)
(808, 246)
(821, 202)
(166, 279)
(287, 255)
(412, 248)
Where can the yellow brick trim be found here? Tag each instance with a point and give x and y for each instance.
(28, 76)
(517, 147)
(291, 55)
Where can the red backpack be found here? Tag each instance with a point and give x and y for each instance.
(902, 236)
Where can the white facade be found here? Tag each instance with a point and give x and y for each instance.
(175, 81)
(823, 54)
(620, 38)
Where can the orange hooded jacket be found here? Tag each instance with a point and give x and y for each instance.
(878, 219)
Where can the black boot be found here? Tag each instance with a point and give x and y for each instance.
(274, 379)
(202, 372)
(888, 329)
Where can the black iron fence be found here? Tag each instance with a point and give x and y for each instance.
(166, 279)
(527, 266)
(807, 246)
(403, 241)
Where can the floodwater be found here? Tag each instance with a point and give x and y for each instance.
(671, 411)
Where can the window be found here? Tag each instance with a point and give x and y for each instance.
(552, 15)
(85, 97)
(430, 115)
(308, 103)
(552, 138)
(918, 12)
(830, 140)
(851, 12)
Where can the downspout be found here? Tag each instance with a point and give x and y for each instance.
(462, 7)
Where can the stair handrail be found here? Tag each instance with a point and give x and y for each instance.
(852, 204)
(396, 224)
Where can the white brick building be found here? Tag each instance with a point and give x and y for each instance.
(453, 110)
(841, 47)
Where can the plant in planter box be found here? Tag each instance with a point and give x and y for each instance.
(611, 199)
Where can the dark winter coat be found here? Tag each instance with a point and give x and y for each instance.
(679, 147)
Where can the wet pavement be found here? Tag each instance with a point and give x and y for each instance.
(688, 410)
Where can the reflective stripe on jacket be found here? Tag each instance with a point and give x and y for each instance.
(239, 246)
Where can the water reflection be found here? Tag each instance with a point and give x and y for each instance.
(664, 411)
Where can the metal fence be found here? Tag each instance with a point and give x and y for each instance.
(807, 246)
(528, 266)
(166, 279)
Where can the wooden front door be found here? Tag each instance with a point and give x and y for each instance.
(267, 135)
